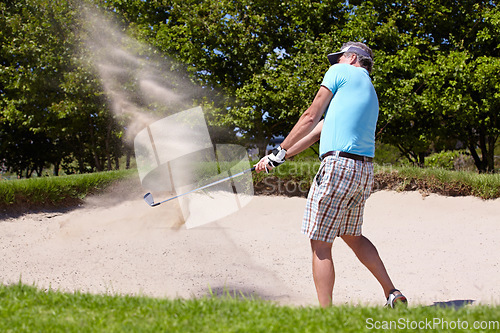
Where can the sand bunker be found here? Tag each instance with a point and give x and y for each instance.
(437, 250)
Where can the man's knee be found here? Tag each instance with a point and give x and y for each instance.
(321, 249)
(353, 241)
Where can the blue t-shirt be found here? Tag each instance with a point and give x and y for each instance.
(351, 117)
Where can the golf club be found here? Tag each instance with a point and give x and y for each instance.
(148, 197)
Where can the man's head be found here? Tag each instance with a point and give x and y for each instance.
(363, 53)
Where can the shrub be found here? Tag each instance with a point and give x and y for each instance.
(449, 160)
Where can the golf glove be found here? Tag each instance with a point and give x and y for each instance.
(277, 157)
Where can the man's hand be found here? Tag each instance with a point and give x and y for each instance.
(262, 165)
(277, 157)
(271, 161)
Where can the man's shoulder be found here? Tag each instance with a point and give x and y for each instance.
(340, 67)
(337, 72)
(346, 70)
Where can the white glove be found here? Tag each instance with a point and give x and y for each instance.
(277, 157)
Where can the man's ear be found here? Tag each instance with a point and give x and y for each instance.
(353, 58)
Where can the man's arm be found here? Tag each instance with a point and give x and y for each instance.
(309, 119)
(300, 146)
(306, 123)
(306, 141)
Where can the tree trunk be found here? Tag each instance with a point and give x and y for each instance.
(421, 159)
(491, 153)
(81, 164)
(56, 168)
(29, 172)
(39, 171)
(106, 145)
(94, 149)
(477, 160)
(262, 146)
(129, 155)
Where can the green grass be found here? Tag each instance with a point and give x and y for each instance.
(28, 309)
(297, 170)
(437, 180)
(51, 191)
(485, 186)
(66, 190)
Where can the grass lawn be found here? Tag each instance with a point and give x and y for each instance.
(41, 192)
(28, 309)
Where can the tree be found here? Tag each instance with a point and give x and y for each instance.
(467, 92)
(435, 59)
(254, 65)
(255, 56)
(30, 65)
(52, 108)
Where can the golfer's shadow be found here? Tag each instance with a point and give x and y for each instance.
(455, 304)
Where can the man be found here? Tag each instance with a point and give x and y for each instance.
(336, 200)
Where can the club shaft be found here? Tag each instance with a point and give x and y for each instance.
(208, 185)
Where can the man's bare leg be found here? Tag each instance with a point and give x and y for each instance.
(368, 255)
(323, 271)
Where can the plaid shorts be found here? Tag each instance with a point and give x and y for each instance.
(337, 197)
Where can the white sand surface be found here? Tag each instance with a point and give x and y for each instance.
(438, 250)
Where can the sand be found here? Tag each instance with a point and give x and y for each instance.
(438, 250)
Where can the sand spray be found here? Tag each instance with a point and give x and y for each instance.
(158, 109)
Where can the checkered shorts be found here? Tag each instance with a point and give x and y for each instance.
(337, 197)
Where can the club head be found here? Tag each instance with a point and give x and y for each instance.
(148, 197)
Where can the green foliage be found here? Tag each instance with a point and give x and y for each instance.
(52, 107)
(439, 180)
(432, 180)
(266, 57)
(310, 154)
(445, 159)
(33, 54)
(465, 88)
(387, 154)
(24, 308)
(261, 62)
(430, 77)
(300, 171)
